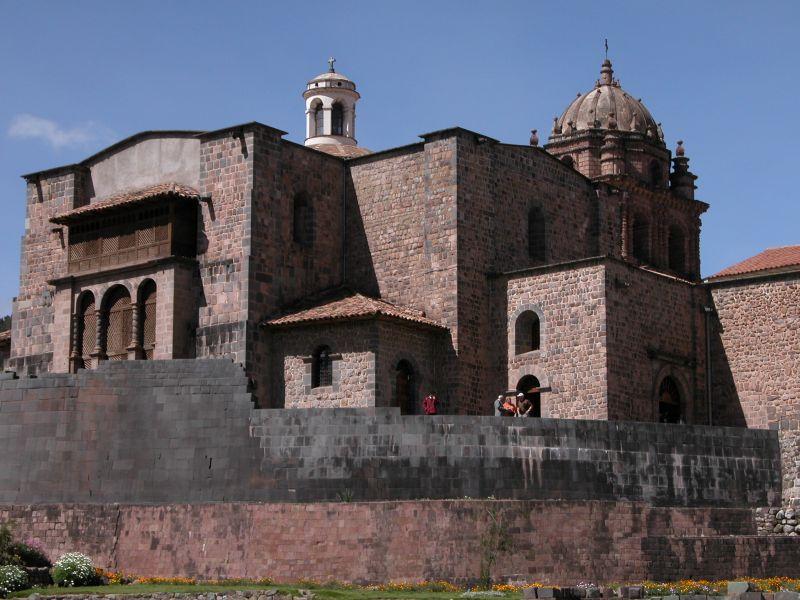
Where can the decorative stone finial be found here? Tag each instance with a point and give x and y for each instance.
(606, 73)
(534, 137)
(556, 126)
(331, 60)
(680, 150)
(612, 120)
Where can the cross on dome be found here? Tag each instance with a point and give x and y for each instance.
(331, 60)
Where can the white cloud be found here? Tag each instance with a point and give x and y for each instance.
(27, 126)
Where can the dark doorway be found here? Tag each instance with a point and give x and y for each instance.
(669, 402)
(527, 385)
(405, 386)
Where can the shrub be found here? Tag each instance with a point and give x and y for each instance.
(13, 578)
(30, 554)
(73, 570)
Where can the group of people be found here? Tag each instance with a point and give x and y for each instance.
(513, 406)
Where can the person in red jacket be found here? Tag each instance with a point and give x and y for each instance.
(429, 404)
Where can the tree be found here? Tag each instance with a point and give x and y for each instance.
(5, 323)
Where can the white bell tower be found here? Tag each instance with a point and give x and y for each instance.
(331, 109)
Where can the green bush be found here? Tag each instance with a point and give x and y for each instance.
(73, 570)
(30, 555)
(13, 578)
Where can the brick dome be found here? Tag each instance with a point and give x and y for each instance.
(607, 106)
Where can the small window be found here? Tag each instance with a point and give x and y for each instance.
(302, 220)
(527, 333)
(641, 238)
(337, 120)
(322, 368)
(569, 161)
(536, 235)
(676, 243)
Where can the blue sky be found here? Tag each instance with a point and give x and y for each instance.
(77, 76)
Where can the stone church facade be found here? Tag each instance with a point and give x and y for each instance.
(457, 265)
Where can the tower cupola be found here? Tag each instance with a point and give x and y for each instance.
(606, 131)
(331, 113)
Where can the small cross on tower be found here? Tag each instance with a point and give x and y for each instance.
(331, 60)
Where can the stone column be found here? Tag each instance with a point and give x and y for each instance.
(99, 353)
(135, 350)
(310, 123)
(75, 362)
(625, 233)
(327, 120)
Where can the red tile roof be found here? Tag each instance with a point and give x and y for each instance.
(771, 259)
(352, 306)
(129, 197)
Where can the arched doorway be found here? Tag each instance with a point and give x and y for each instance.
(669, 401)
(147, 302)
(527, 385)
(118, 323)
(86, 339)
(405, 386)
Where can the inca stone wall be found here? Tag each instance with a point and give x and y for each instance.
(186, 431)
(756, 369)
(373, 542)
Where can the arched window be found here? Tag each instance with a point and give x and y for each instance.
(319, 120)
(655, 174)
(87, 330)
(529, 386)
(321, 368)
(669, 401)
(676, 247)
(527, 332)
(405, 388)
(337, 120)
(302, 220)
(147, 325)
(536, 234)
(641, 238)
(569, 161)
(118, 317)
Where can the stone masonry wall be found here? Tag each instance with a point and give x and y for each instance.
(224, 232)
(550, 542)
(421, 348)
(186, 431)
(655, 328)
(756, 376)
(401, 236)
(571, 306)
(354, 346)
(43, 256)
(281, 271)
(498, 186)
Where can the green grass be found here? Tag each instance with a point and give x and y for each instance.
(327, 593)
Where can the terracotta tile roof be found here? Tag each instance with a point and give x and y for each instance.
(342, 151)
(351, 306)
(5, 336)
(768, 260)
(129, 197)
